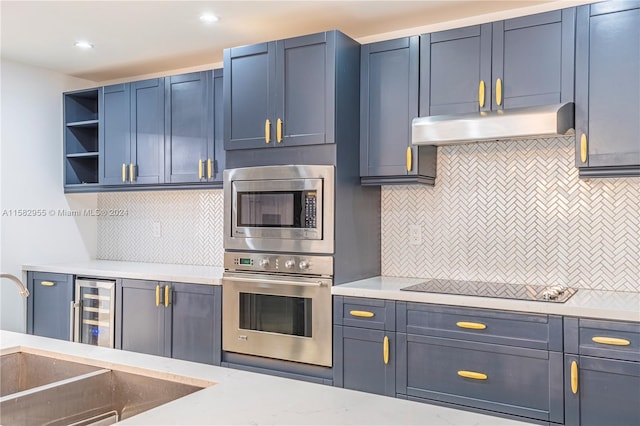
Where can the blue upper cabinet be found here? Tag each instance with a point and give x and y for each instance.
(533, 60)
(388, 102)
(608, 89)
(193, 119)
(115, 134)
(520, 62)
(132, 136)
(248, 105)
(282, 93)
(455, 71)
(147, 132)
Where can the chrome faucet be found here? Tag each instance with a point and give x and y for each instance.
(23, 290)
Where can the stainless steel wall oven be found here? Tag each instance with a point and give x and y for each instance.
(276, 314)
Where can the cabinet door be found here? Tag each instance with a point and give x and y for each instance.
(147, 132)
(49, 305)
(606, 391)
(188, 126)
(608, 85)
(388, 103)
(533, 60)
(453, 64)
(359, 360)
(305, 90)
(145, 324)
(248, 102)
(196, 326)
(115, 135)
(216, 149)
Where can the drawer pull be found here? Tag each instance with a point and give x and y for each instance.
(574, 377)
(611, 341)
(385, 350)
(47, 283)
(363, 314)
(472, 375)
(471, 325)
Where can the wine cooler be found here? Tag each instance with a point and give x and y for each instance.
(94, 318)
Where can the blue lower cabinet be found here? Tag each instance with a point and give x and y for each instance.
(196, 323)
(49, 305)
(364, 360)
(503, 379)
(600, 391)
(169, 319)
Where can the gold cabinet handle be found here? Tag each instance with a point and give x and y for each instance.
(574, 377)
(385, 350)
(200, 174)
(481, 94)
(166, 296)
(267, 131)
(47, 283)
(499, 91)
(157, 295)
(472, 375)
(209, 168)
(611, 341)
(409, 158)
(279, 130)
(583, 148)
(471, 325)
(363, 314)
(124, 172)
(132, 174)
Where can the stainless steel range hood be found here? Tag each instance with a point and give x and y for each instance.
(516, 123)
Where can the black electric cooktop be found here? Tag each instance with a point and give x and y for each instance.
(558, 293)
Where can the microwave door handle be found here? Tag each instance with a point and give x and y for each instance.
(271, 281)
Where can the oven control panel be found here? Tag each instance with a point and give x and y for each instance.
(282, 263)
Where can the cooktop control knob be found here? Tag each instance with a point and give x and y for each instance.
(264, 262)
(304, 264)
(289, 263)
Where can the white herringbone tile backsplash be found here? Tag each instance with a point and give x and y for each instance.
(515, 212)
(191, 227)
(511, 212)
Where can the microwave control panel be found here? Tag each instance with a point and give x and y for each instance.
(310, 209)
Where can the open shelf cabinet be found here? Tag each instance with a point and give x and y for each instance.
(81, 129)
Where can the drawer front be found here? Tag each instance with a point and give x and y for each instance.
(609, 339)
(375, 314)
(523, 382)
(481, 325)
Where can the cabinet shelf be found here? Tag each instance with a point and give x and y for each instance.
(84, 123)
(83, 155)
(81, 147)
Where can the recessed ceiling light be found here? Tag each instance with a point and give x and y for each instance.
(208, 18)
(83, 45)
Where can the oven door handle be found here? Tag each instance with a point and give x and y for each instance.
(279, 282)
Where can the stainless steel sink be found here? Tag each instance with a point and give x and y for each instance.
(75, 394)
(21, 371)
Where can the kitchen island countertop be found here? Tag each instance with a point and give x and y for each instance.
(607, 305)
(240, 397)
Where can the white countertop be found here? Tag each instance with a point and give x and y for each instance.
(194, 274)
(240, 397)
(623, 306)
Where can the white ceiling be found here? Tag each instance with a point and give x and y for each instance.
(134, 38)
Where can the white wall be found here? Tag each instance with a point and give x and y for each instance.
(31, 178)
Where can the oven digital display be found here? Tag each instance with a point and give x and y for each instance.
(245, 261)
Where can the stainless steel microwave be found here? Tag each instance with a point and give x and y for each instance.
(279, 208)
